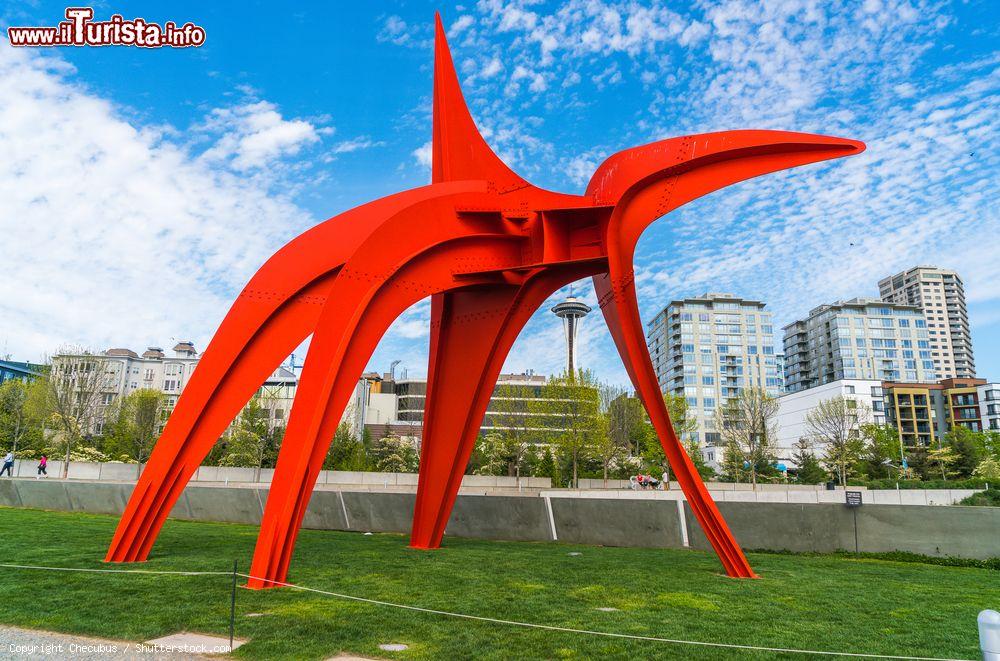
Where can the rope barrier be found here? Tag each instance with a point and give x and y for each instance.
(120, 571)
(549, 627)
(481, 618)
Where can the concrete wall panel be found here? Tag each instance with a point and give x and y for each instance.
(82, 470)
(325, 512)
(617, 522)
(965, 532)
(781, 526)
(8, 493)
(43, 494)
(379, 512)
(500, 517)
(234, 505)
(98, 498)
(124, 472)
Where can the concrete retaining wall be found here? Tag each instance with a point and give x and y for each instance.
(963, 532)
(591, 483)
(870, 496)
(971, 532)
(81, 470)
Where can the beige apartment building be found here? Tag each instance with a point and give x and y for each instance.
(940, 295)
(125, 371)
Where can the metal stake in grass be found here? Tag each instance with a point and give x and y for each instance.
(232, 610)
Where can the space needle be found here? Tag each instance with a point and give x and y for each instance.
(571, 311)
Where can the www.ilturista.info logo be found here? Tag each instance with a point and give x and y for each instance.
(81, 30)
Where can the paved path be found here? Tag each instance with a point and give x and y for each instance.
(17, 643)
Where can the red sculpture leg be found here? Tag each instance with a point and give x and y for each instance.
(351, 325)
(621, 312)
(275, 312)
(472, 332)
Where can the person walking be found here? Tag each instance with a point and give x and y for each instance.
(42, 464)
(8, 465)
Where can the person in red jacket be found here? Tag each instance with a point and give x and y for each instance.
(42, 463)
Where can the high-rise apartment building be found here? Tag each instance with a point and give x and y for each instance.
(939, 293)
(710, 347)
(858, 339)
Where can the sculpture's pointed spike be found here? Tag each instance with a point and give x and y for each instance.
(459, 150)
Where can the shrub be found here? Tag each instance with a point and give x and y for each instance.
(989, 498)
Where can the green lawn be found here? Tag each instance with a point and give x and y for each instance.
(814, 602)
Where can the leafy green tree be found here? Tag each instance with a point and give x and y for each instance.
(74, 393)
(347, 452)
(747, 426)
(880, 452)
(393, 454)
(918, 463)
(991, 443)
(15, 414)
(733, 469)
(136, 420)
(573, 403)
(253, 442)
(988, 469)
(943, 458)
(809, 469)
(628, 424)
(969, 448)
(685, 427)
(606, 450)
(835, 425)
(704, 470)
(517, 431)
(547, 466)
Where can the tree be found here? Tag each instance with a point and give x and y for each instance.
(77, 387)
(628, 424)
(605, 448)
(516, 431)
(969, 447)
(835, 426)
(943, 457)
(135, 425)
(392, 454)
(547, 466)
(747, 427)
(809, 469)
(572, 402)
(733, 463)
(13, 413)
(704, 470)
(493, 456)
(988, 469)
(347, 452)
(685, 428)
(253, 442)
(881, 449)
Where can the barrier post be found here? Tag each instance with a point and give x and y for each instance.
(232, 611)
(989, 634)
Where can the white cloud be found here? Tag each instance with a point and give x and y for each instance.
(491, 68)
(355, 144)
(114, 234)
(424, 154)
(394, 30)
(460, 24)
(255, 134)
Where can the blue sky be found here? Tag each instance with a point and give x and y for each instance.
(141, 188)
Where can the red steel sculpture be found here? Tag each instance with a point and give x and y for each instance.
(488, 248)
